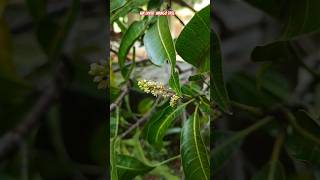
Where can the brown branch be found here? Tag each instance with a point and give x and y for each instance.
(13, 139)
(182, 3)
(140, 121)
(125, 91)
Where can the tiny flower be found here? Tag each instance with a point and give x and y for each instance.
(173, 100)
(158, 90)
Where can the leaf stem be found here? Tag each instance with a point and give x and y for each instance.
(275, 155)
(241, 134)
(168, 160)
(290, 117)
(253, 110)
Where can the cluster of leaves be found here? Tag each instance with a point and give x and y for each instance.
(189, 107)
(271, 101)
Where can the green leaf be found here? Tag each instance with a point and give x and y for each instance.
(223, 152)
(174, 82)
(266, 173)
(159, 123)
(145, 105)
(193, 44)
(218, 90)
(160, 48)
(130, 167)
(301, 148)
(194, 156)
(116, 4)
(196, 77)
(126, 8)
(135, 30)
(113, 158)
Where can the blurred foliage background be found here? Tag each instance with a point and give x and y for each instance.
(271, 65)
(52, 117)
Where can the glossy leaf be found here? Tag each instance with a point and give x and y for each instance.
(116, 4)
(218, 91)
(193, 44)
(125, 8)
(135, 30)
(194, 156)
(266, 173)
(160, 48)
(113, 158)
(130, 167)
(301, 148)
(159, 123)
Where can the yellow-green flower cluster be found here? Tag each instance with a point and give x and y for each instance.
(157, 89)
(173, 100)
(99, 72)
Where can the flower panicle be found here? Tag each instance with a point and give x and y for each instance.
(157, 89)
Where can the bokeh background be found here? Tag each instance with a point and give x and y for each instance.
(52, 116)
(241, 28)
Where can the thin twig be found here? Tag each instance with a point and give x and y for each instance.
(182, 3)
(181, 22)
(140, 121)
(13, 139)
(119, 99)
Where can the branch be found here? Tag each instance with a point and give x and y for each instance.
(13, 139)
(119, 99)
(182, 3)
(140, 121)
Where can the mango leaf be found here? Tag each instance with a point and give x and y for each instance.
(130, 167)
(113, 158)
(223, 152)
(194, 156)
(271, 171)
(218, 90)
(193, 44)
(153, 4)
(159, 123)
(123, 10)
(301, 148)
(135, 30)
(159, 46)
(116, 4)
